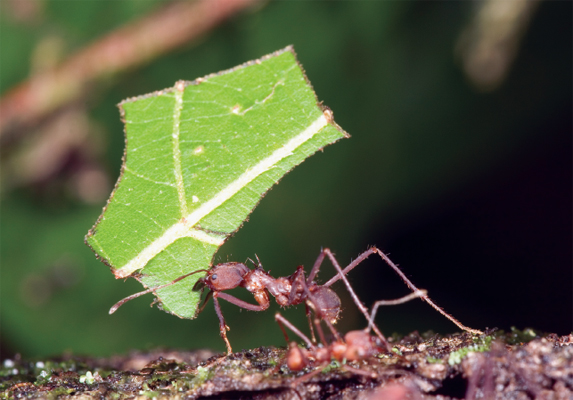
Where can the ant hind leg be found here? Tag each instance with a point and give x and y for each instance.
(341, 274)
(373, 250)
(424, 296)
(394, 302)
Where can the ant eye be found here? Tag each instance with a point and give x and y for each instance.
(214, 277)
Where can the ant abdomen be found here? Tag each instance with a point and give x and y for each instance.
(327, 302)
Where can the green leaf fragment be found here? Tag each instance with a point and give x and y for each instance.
(198, 159)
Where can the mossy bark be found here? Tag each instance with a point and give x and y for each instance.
(516, 365)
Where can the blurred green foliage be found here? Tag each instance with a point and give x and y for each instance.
(389, 72)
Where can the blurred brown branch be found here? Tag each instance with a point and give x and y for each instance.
(490, 43)
(126, 47)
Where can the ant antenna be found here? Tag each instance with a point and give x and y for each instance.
(257, 264)
(136, 295)
(260, 265)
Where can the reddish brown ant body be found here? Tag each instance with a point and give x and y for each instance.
(292, 290)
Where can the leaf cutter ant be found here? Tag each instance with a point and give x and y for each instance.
(288, 291)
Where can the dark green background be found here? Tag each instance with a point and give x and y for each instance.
(470, 192)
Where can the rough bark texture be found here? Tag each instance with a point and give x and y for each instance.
(516, 365)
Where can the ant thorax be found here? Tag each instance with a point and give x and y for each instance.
(281, 289)
(258, 281)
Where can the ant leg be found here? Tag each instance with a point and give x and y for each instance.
(307, 310)
(296, 358)
(349, 267)
(401, 300)
(374, 250)
(315, 267)
(299, 281)
(424, 297)
(411, 296)
(342, 275)
(316, 321)
(265, 302)
(312, 302)
(282, 321)
(223, 328)
(278, 319)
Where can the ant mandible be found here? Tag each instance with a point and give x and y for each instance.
(288, 291)
(357, 345)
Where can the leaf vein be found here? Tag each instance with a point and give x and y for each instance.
(127, 169)
(179, 90)
(184, 227)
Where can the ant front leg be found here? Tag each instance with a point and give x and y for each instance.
(223, 328)
(230, 276)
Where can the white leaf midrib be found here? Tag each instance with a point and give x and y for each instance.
(184, 227)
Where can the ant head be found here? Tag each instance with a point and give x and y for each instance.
(225, 276)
